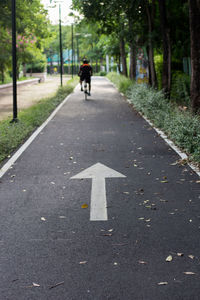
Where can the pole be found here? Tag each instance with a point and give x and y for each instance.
(14, 62)
(72, 51)
(77, 50)
(61, 54)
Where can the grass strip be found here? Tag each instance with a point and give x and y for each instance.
(12, 135)
(182, 127)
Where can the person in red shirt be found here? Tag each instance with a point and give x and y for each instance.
(85, 72)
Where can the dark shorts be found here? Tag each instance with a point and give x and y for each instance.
(88, 79)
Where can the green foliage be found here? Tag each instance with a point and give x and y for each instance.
(158, 60)
(180, 91)
(181, 126)
(38, 65)
(12, 135)
(123, 83)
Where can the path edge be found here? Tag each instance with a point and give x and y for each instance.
(182, 154)
(24, 146)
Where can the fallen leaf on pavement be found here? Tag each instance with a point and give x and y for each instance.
(83, 262)
(189, 273)
(36, 284)
(43, 219)
(57, 284)
(180, 254)
(107, 234)
(110, 230)
(191, 256)
(142, 262)
(163, 283)
(169, 258)
(84, 205)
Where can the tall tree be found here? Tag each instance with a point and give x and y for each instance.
(165, 29)
(150, 11)
(194, 13)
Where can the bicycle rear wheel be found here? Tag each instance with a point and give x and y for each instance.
(85, 89)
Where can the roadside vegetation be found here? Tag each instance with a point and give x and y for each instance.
(12, 135)
(178, 122)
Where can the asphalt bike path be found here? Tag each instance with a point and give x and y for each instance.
(95, 206)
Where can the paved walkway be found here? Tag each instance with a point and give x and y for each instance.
(28, 95)
(94, 208)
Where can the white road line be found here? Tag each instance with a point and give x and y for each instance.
(98, 173)
(13, 159)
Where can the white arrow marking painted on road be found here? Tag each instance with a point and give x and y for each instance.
(98, 173)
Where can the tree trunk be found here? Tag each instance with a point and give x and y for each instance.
(194, 12)
(152, 71)
(24, 69)
(166, 77)
(123, 56)
(132, 72)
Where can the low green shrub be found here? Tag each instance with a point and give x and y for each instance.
(181, 126)
(14, 134)
(123, 83)
(180, 90)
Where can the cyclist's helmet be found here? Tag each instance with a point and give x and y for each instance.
(85, 61)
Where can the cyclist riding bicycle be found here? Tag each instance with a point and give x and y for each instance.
(85, 73)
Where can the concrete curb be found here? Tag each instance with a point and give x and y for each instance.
(183, 155)
(8, 85)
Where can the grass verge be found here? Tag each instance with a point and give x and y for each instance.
(13, 135)
(182, 127)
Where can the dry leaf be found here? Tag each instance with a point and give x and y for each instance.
(36, 284)
(180, 254)
(55, 285)
(110, 230)
(146, 201)
(163, 283)
(189, 273)
(164, 181)
(148, 220)
(43, 219)
(84, 205)
(191, 256)
(140, 218)
(126, 193)
(198, 181)
(107, 234)
(169, 258)
(83, 262)
(115, 264)
(142, 262)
